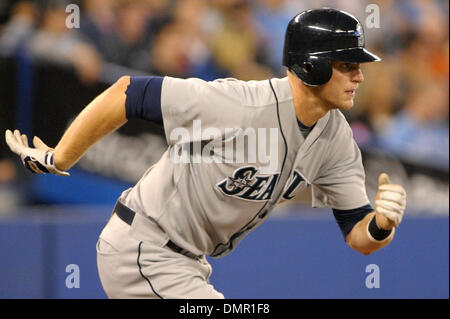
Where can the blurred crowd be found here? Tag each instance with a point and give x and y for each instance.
(401, 108)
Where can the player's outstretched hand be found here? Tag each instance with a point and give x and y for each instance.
(390, 203)
(38, 159)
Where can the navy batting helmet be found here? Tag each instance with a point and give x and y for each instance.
(315, 37)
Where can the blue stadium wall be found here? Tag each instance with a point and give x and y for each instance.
(286, 257)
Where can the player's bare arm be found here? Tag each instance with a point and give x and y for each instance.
(102, 116)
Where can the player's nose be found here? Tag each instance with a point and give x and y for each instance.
(358, 76)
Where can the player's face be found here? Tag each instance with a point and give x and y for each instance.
(340, 90)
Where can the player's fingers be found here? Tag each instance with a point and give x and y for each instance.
(37, 142)
(9, 137)
(11, 141)
(393, 188)
(395, 217)
(383, 179)
(391, 206)
(18, 137)
(8, 134)
(24, 140)
(391, 196)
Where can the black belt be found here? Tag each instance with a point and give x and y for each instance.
(127, 215)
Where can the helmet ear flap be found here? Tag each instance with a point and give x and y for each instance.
(313, 70)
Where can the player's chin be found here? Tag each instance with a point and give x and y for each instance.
(346, 104)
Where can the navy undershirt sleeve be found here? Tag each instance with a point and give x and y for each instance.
(346, 219)
(144, 98)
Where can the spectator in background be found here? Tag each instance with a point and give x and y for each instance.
(98, 21)
(272, 17)
(181, 47)
(419, 132)
(236, 45)
(137, 24)
(10, 196)
(190, 16)
(19, 28)
(410, 82)
(168, 54)
(56, 43)
(129, 44)
(426, 54)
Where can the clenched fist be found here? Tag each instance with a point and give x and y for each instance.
(390, 203)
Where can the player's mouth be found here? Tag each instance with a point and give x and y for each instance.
(351, 92)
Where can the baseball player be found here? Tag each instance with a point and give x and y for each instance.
(201, 199)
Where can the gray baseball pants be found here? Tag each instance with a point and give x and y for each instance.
(132, 268)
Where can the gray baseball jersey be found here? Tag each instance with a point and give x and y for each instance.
(207, 193)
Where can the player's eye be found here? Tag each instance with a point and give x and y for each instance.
(346, 67)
